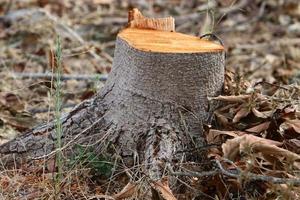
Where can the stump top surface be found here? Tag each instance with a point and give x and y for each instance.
(167, 42)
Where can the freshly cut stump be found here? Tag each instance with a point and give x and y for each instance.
(162, 81)
(152, 107)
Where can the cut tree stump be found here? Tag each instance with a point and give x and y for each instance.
(153, 105)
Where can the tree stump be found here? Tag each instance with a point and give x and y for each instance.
(153, 104)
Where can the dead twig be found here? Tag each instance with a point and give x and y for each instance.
(193, 173)
(257, 177)
(238, 175)
(202, 10)
(234, 8)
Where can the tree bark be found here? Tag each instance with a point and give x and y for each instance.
(153, 105)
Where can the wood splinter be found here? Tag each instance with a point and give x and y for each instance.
(137, 20)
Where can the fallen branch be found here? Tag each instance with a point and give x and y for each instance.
(238, 175)
(257, 177)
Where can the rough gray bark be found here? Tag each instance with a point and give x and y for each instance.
(153, 105)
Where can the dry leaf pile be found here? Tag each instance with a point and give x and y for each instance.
(257, 133)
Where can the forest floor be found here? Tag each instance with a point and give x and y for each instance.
(257, 127)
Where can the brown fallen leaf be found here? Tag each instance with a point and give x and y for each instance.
(162, 186)
(294, 124)
(214, 132)
(225, 108)
(50, 165)
(268, 148)
(222, 120)
(293, 145)
(232, 99)
(260, 114)
(128, 191)
(275, 151)
(217, 137)
(259, 128)
(232, 147)
(243, 112)
(12, 101)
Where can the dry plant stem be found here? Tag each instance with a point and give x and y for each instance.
(222, 12)
(235, 7)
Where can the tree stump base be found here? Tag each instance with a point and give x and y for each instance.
(152, 107)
